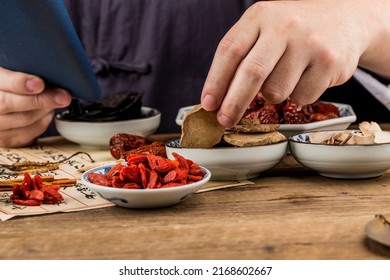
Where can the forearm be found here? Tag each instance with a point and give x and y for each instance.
(376, 25)
(372, 19)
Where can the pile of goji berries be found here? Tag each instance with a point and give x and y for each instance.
(147, 171)
(32, 192)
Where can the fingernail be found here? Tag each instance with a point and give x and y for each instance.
(225, 121)
(34, 84)
(209, 103)
(61, 97)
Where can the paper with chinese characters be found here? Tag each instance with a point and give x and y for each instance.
(53, 149)
(76, 198)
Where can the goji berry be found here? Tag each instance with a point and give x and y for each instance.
(144, 173)
(33, 192)
(153, 180)
(27, 202)
(131, 185)
(114, 171)
(136, 159)
(99, 179)
(171, 184)
(169, 177)
(183, 163)
(149, 171)
(130, 173)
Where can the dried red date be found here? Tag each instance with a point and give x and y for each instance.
(296, 114)
(156, 148)
(327, 109)
(121, 143)
(289, 113)
(268, 114)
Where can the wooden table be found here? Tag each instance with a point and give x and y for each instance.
(289, 213)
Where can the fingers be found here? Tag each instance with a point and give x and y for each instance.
(281, 82)
(281, 49)
(232, 49)
(26, 107)
(309, 88)
(24, 92)
(241, 64)
(22, 119)
(25, 135)
(249, 78)
(20, 83)
(49, 99)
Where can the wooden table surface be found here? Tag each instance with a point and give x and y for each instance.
(289, 213)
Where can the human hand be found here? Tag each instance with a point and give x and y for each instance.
(26, 107)
(284, 49)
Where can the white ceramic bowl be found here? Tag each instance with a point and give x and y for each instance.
(98, 134)
(347, 116)
(232, 163)
(143, 198)
(341, 161)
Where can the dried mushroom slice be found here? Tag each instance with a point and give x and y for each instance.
(245, 121)
(320, 137)
(378, 229)
(253, 139)
(382, 137)
(249, 127)
(201, 129)
(370, 133)
(369, 128)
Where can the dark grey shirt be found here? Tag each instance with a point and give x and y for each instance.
(165, 47)
(161, 47)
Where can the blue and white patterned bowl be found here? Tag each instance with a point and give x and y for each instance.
(143, 198)
(341, 161)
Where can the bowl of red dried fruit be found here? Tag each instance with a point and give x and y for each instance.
(147, 181)
(293, 118)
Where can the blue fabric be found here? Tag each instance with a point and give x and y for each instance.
(38, 37)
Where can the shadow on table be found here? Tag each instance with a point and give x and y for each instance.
(377, 248)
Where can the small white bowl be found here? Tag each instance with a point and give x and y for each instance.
(143, 198)
(341, 161)
(232, 163)
(98, 134)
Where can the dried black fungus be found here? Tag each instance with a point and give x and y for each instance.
(125, 105)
